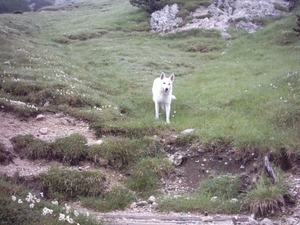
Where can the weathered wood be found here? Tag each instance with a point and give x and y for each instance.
(269, 170)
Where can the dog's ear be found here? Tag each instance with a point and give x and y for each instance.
(162, 75)
(172, 77)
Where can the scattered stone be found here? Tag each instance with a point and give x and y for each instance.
(207, 219)
(151, 199)
(177, 158)
(133, 205)
(234, 200)
(44, 130)
(214, 199)
(19, 103)
(40, 117)
(252, 221)
(47, 103)
(98, 142)
(154, 205)
(187, 131)
(266, 221)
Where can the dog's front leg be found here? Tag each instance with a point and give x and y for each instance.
(168, 108)
(156, 110)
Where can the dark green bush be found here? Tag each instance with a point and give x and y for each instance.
(149, 6)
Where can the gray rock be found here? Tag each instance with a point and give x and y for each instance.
(266, 221)
(165, 19)
(252, 221)
(187, 131)
(19, 103)
(44, 130)
(151, 199)
(40, 117)
(207, 219)
(177, 158)
(222, 13)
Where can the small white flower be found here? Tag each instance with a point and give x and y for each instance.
(62, 217)
(31, 206)
(69, 219)
(47, 211)
(76, 213)
(14, 198)
(42, 194)
(68, 208)
(54, 202)
(20, 201)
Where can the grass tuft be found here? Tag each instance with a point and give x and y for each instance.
(116, 199)
(266, 198)
(145, 177)
(67, 184)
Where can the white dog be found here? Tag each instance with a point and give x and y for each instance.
(162, 94)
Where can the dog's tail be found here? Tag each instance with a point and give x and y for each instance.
(173, 97)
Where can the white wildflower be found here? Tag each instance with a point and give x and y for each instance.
(69, 219)
(31, 206)
(47, 211)
(68, 208)
(76, 213)
(62, 217)
(20, 201)
(54, 202)
(14, 198)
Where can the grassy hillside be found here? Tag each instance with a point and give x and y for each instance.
(97, 60)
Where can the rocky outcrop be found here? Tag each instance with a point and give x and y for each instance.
(220, 15)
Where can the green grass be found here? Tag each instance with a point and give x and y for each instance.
(116, 199)
(97, 61)
(223, 188)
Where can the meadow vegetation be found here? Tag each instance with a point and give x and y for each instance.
(97, 61)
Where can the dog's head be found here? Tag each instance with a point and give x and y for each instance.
(166, 82)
